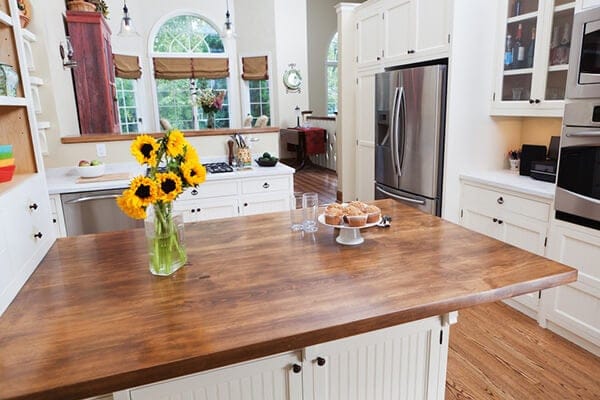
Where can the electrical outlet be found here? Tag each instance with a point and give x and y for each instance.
(101, 150)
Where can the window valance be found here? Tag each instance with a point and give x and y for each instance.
(184, 68)
(127, 67)
(255, 68)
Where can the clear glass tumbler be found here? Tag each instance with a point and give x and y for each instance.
(296, 215)
(310, 206)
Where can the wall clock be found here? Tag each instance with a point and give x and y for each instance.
(292, 79)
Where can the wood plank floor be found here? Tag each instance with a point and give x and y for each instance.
(498, 353)
(495, 351)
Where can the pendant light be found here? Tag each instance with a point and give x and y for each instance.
(127, 28)
(228, 26)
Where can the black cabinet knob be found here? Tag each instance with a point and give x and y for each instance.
(296, 368)
(198, 209)
(495, 219)
(411, 52)
(266, 185)
(194, 192)
(378, 58)
(320, 361)
(38, 235)
(537, 101)
(193, 210)
(531, 101)
(33, 206)
(54, 220)
(500, 221)
(245, 204)
(500, 200)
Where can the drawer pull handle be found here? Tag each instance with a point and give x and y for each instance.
(33, 206)
(266, 185)
(297, 368)
(38, 235)
(320, 361)
(500, 200)
(411, 52)
(194, 192)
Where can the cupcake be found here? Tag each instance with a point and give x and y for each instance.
(373, 214)
(334, 216)
(360, 205)
(355, 216)
(334, 206)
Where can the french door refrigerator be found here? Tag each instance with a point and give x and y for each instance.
(410, 109)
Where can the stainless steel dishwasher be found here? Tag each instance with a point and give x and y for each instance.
(94, 212)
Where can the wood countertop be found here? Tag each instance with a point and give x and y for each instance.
(93, 320)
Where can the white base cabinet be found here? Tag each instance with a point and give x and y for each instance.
(404, 362)
(518, 219)
(575, 307)
(26, 233)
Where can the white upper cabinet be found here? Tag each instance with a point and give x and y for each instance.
(394, 32)
(532, 57)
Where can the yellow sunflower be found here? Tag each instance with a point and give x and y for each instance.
(144, 149)
(191, 155)
(130, 207)
(175, 143)
(169, 186)
(193, 172)
(143, 191)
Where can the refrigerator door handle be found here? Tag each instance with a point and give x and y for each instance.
(395, 196)
(400, 144)
(393, 129)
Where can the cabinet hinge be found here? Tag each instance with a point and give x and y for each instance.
(448, 38)
(356, 58)
(494, 96)
(461, 213)
(539, 294)
(382, 15)
(356, 142)
(441, 336)
(545, 241)
(357, 81)
(382, 53)
(357, 26)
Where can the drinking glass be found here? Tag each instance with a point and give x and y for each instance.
(310, 204)
(296, 215)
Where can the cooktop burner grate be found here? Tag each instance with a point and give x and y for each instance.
(217, 168)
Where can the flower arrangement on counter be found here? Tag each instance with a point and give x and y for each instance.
(514, 154)
(211, 101)
(173, 165)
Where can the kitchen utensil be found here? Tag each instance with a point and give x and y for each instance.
(230, 151)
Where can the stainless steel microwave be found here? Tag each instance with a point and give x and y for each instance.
(583, 80)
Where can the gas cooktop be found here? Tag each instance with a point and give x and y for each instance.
(218, 167)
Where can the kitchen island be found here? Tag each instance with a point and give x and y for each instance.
(92, 320)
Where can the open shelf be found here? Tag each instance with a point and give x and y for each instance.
(12, 101)
(16, 131)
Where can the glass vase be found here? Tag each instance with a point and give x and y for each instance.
(210, 120)
(165, 237)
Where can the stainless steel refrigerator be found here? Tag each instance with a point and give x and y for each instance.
(410, 109)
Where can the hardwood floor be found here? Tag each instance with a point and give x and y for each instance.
(495, 351)
(498, 353)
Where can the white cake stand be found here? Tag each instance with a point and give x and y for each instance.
(349, 235)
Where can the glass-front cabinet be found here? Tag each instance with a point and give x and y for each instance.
(533, 57)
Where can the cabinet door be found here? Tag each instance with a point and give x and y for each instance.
(267, 379)
(405, 362)
(576, 306)
(264, 203)
(206, 209)
(365, 137)
(480, 222)
(369, 36)
(433, 25)
(399, 28)
(559, 43)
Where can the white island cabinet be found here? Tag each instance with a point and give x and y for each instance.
(406, 362)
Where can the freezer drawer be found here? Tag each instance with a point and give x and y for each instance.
(430, 206)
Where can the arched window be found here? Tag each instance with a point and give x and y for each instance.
(332, 76)
(191, 36)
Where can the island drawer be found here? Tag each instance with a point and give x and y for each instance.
(211, 189)
(266, 184)
(495, 202)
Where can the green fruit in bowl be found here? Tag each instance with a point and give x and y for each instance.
(95, 162)
(84, 163)
(266, 155)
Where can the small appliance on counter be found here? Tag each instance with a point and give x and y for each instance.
(529, 154)
(545, 170)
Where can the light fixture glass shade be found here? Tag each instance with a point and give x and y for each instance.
(228, 25)
(127, 29)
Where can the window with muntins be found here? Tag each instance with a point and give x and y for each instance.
(260, 102)
(332, 76)
(191, 36)
(126, 99)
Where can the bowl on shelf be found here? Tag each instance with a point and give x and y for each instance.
(267, 162)
(6, 173)
(90, 171)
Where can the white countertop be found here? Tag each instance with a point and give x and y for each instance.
(64, 179)
(512, 181)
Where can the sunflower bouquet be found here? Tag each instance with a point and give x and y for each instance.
(173, 165)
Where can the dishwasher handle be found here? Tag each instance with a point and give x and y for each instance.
(91, 198)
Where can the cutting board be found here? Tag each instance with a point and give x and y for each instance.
(118, 176)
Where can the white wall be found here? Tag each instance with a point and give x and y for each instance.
(474, 140)
(273, 27)
(322, 25)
